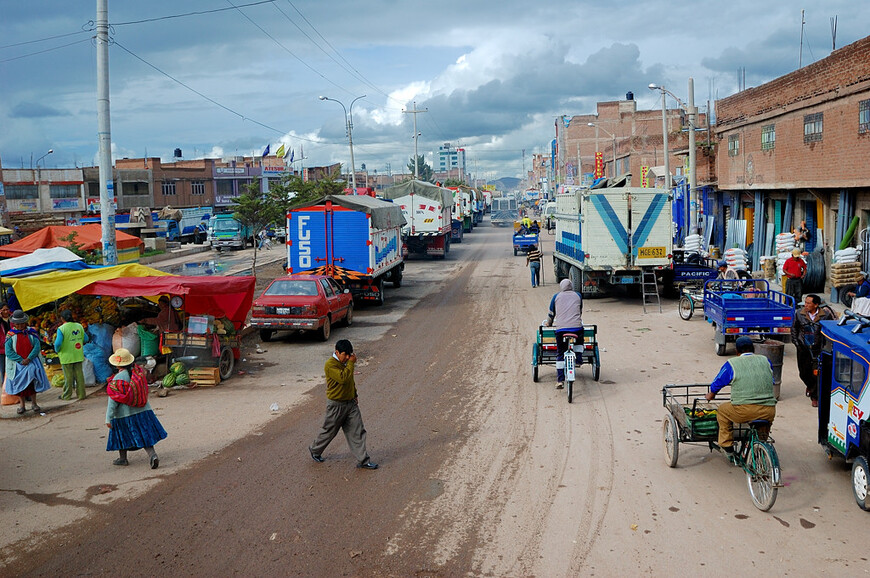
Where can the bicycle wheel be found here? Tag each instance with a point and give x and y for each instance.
(570, 385)
(687, 307)
(762, 475)
(671, 439)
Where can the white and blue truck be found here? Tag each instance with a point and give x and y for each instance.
(427, 211)
(606, 236)
(355, 239)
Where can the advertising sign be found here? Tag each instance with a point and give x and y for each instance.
(644, 182)
(65, 204)
(93, 204)
(599, 165)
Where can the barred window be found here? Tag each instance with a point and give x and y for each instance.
(864, 116)
(813, 127)
(224, 186)
(768, 137)
(197, 187)
(64, 191)
(733, 145)
(168, 187)
(22, 192)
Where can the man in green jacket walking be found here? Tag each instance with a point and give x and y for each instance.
(751, 379)
(68, 344)
(342, 409)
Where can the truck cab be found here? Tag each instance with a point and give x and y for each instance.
(224, 231)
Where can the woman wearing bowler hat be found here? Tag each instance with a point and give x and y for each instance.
(129, 417)
(25, 376)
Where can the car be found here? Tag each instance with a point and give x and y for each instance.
(302, 303)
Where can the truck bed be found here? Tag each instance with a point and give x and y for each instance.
(738, 311)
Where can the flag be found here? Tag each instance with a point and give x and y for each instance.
(266, 152)
(280, 152)
(292, 154)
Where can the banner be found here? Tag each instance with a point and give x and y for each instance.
(64, 204)
(599, 165)
(644, 182)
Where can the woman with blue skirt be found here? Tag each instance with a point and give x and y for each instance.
(129, 417)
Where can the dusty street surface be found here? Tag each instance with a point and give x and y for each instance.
(483, 472)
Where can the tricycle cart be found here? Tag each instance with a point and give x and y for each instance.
(524, 242)
(544, 350)
(206, 350)
(691, 419)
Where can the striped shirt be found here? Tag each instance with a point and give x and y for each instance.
(534, 255)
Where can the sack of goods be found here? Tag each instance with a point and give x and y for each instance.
(847, 255)
(846, 273)
(736, 259)
(784, 243)
(694, 244)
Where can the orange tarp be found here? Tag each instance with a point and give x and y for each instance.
(88, 236)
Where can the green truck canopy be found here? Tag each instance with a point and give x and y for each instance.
(422, 188)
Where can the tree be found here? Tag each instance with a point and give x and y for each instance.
(424, 171)
(256, 211)
(91, 257)
(452, 183)
(292, 191)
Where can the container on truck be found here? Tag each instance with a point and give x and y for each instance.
(504, 211)
(606, 236)
(355, 239)
(427, 211)
(225, 232)
(189, 224)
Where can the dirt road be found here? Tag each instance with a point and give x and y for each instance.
(482, 472)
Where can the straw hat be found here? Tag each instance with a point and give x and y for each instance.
(796, 252)
(121, 358)
(19, 316)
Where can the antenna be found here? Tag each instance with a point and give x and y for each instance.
(801, 55)
(834, 33)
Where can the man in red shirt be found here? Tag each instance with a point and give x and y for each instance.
(794, 269)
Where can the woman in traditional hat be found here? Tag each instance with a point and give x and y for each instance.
(25, 376)
(129, 417)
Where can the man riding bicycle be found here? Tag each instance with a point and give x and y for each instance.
(566, 311)
(751, 379)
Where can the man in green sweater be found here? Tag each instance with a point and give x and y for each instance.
(342, 409)
(68, 344)
(751, 379)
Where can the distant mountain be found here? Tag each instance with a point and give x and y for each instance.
(506, 183)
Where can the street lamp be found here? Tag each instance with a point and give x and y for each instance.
(39, 175)
(654, 86)
(613, 136)
(43, 156)
(348, 117)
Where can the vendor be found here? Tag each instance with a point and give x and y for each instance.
(167, 319)
(25, 376)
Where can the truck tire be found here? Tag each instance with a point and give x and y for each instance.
(380, 285)
(396, 278)
(266, 334)
(576, 277)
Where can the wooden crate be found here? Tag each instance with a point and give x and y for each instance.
(204, 376)
(178, 340)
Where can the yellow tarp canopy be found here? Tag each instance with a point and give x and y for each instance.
(5, 231)
(35, 291)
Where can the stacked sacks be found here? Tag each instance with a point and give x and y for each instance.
(736, 259)
(846, 268)
(784, 246)
(694, 244)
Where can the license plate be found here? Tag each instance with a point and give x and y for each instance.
(283, 310)
(651, 253)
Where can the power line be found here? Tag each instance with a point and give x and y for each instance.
(46, 50)
(201, 12)
(82, 31)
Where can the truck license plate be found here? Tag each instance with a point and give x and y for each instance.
(651, 253)
(283, 310)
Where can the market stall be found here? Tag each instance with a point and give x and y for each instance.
(87, 237)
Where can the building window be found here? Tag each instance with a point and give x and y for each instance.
(134, 188)
(224, 187)
(768, 137)
(733, 145)
(197, 187)
(63, 191)
(864, 116)
(22, 192)
(168, 187)
(813, 127)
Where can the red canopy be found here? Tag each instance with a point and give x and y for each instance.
(218, 296)
(88, 236)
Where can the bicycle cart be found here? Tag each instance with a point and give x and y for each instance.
(691, 296)
(691, 419)
(544, 352)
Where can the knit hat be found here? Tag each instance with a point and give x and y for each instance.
(743, 341)
(121, 358)
(19, 316)
(796, 252)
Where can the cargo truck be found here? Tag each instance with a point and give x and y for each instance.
(185, 225)
(225, 232)
(504, 211)
(355, 239)
(427, 211)
(606, 236)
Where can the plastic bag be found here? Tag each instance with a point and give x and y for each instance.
(101, 335)
(100, 358)
(128, 338)
(88, 370)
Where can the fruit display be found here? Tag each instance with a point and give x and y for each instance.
(86, 309)
(182, 379)
(177, 368)
(169, 380)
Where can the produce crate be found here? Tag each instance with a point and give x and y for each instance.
(204, 376)
(178, 340)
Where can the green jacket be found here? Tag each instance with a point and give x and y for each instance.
(339, 380)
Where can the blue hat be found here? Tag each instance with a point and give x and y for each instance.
(743, 341)
(721, 263)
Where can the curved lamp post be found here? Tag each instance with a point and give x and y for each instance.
(348, 118)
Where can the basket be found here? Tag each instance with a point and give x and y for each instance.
(706, 425)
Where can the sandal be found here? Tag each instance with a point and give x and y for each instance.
(21, 410)
(36, 409)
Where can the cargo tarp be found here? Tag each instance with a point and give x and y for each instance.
(35, 291)
(384, 215)
(422, 188)
(203, 295)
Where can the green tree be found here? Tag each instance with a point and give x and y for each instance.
(291, 191)
(256, 211)
(452, 183)
(424, 171)
(91, 257)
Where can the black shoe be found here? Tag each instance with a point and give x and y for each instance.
(121, 462)
(155, 461)
(316, 457)
(367, 466)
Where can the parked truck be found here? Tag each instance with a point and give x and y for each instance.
(606, 236)
(504, 211)
(355, 239)
(427, 211)
(184, 225)
(225, 232)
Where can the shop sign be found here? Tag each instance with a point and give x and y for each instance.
(64, 204)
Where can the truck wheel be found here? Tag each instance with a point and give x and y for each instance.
(380, 286)
(576, 277)
(266, 334)
(397, 277)
(860, 482)
(720, 349)
(515, 251)
(326, 330)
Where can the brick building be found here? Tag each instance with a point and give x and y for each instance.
(796, 148)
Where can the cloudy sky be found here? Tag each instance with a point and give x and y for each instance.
(219, 78)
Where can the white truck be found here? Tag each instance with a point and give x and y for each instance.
(606, 236)
(426, 208)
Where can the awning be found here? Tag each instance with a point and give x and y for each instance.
(42, 261)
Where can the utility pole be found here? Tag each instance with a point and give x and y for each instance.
(693, 179)
(415, 112)
(104, 130)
